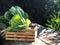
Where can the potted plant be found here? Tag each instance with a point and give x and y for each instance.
(19, 25)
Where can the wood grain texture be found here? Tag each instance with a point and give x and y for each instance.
(23, 35)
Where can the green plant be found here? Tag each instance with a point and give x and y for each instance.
(17, 18)
(54, 22)
(51, 7)
(2, 25)
(2, 22)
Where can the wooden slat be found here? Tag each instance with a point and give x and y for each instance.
(19, 39)
(16, 36)
(20, 33)
(24, 31)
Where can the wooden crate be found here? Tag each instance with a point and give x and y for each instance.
(23, 35)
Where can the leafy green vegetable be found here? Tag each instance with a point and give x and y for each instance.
(18, 19)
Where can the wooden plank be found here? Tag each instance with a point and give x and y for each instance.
(20, 33)
(19, 39)
(16, 36)
(32, 30)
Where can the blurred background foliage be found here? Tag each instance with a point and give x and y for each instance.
(39, 10)
(52, 7)
(3, 23)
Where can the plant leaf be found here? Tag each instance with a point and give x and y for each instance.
(20, 9)
(7, 15)
(12, 10)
